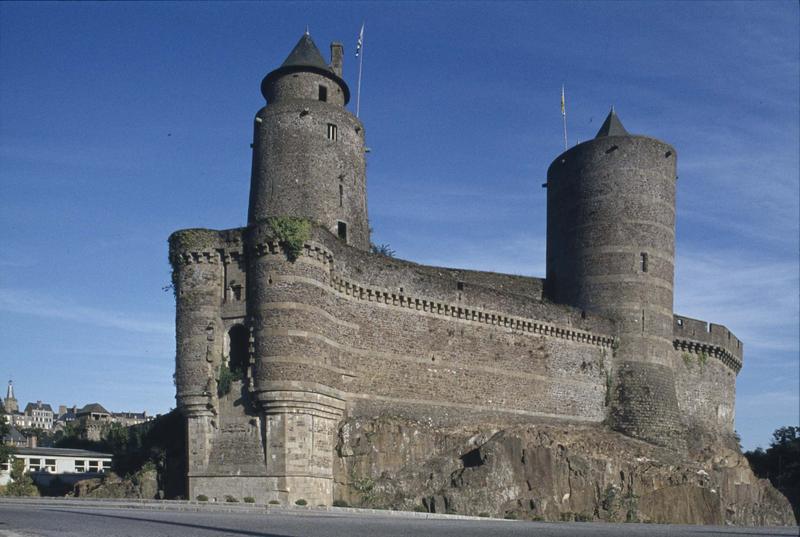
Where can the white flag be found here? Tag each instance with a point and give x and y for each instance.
(360, 41)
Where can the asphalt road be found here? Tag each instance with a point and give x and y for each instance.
(41, 520)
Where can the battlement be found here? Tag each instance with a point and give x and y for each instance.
(694, 335)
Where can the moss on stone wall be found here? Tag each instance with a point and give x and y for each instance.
(191, 240)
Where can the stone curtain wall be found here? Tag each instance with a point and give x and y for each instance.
(388, 334)
(707, 358)
(340, 332)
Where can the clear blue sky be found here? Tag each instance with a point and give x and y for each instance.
(120, 123)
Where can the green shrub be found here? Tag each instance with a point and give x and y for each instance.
(249, 499)
(483, 515)
(292, 233)
(274, 502)
(230, 499)
(301, 501)
(22, 484)
(420, 509)
(224, 380)
(583, 517)
(202, 498)
(340, 503)
(510, 516)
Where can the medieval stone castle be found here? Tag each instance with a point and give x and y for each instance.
(327, 329)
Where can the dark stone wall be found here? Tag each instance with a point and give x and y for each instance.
(700, 336)
(610, 250)
(299, 171)
(197, 280)
(386, 335)
(304, 86)
(609, 201)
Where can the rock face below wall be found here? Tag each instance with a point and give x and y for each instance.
(548, 472)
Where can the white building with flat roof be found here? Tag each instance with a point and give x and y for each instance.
(69, 465)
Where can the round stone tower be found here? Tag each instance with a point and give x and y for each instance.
(308, 150)
(610, 250)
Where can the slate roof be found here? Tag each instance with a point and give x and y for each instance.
(14, 436)
(30, 407)
(612, 126)
(305, 56)
(93, 408)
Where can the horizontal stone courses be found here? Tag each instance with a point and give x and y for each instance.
(309, 308)
(618, 249)
(628, 196)
(276, 359)
(649, 280)
(482, 408)
(356, 291)
(443, 363)
(620, 221)
(699, 347)
(379, 296)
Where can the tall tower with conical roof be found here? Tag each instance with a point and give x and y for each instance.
(610, 251)
(10, 402)
(308, 149)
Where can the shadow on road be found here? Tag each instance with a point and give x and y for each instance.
(230, 531)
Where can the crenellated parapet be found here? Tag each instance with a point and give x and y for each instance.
(701, 337)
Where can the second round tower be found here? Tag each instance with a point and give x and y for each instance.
(610, 250)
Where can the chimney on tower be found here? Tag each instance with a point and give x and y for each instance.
(337, 58)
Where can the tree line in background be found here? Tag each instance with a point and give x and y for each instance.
(780, 463)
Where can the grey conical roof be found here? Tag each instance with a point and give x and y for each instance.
(612, 126)
(306, 54)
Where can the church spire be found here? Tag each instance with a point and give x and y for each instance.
(10, 402)
(612, 126)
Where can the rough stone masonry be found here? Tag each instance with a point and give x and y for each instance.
(284, 339)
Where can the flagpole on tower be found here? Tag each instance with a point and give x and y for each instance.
(360, 55)
(564, 116)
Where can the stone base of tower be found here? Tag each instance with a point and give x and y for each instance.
(645, 404)
(300, 433)
(263, 489)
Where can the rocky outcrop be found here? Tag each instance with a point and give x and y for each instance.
(549, 472)
(142, 485)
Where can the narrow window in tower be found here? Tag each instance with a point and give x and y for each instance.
(323, 93)
(341, 196)
(332, 132)
(644, 262)
(341, 229)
